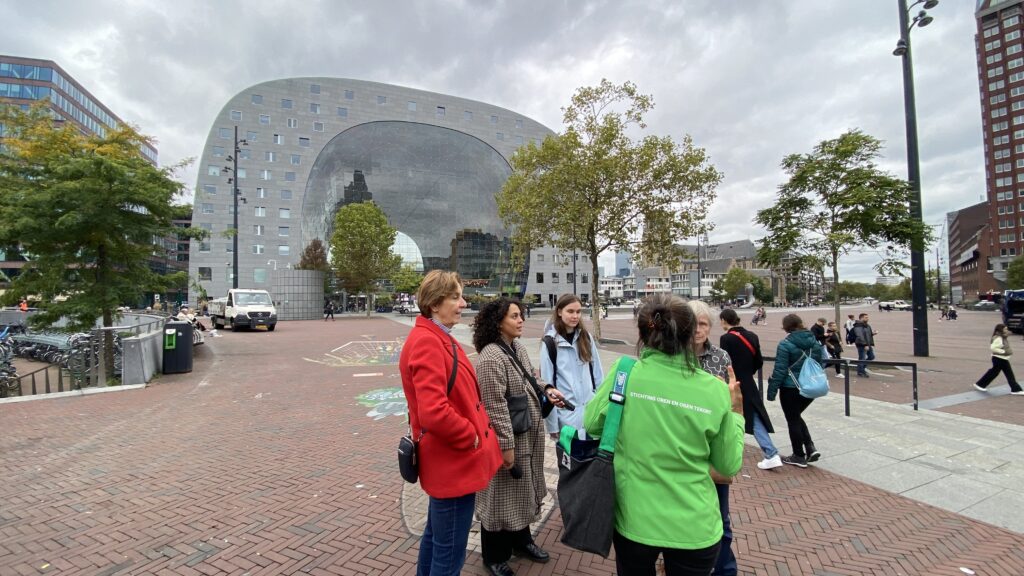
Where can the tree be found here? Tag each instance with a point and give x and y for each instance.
(794, 293)
(86, 210)
(592, 188)
(837, 200)
(406, 279)
(734, 283)
(763, 291)
(361, 248)
(314, 257)
(1015, 273)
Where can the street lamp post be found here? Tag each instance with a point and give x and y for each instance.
(233, 180)
(917, 264)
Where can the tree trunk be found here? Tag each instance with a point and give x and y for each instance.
(835, 286)
(595, 294)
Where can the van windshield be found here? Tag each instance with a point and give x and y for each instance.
(250, 298)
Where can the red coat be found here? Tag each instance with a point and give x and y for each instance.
(449, 464)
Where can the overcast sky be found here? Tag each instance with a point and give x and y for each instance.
(750, 81)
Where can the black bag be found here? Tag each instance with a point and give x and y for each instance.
(519, 412)
(408, 449)
(586, 482)
(545, 405)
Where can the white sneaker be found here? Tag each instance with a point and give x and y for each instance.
(840, 376)
(769, 463)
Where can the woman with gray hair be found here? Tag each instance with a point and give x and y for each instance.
(716, 362)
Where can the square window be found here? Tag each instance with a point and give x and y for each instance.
(258, 229)
(554, 277)
(257, 99)
(467, 115)
(261, 192)
(304, 142)
(204, 246)
(224, 133)
(218, 150)
(259, 211)
(519, 123)
(499, 136)
(257, 249)
(207, 208)
(266, 175)
(540, 277)
(259, 275)
(284, 213)
(212, 170)
(382, 99)
(286, 194)
(244, 154)
(289, 176)
(205, 273)
(440, 111)
(270, 156)
(293, 123)
(278, 139)
(494, 119)
(411, 105)
(286, 103)
(283, 231)
(314, 88)
(314, 107)
(283, 250)
(540, 257)
(349, 95)
(251, 136)
(318, 126)
(343, 112)
(296, 159)
(236, 115)
(241, 173)
(209, 189)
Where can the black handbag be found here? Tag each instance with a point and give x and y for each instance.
(408, 449)
(545, 405)
(519, 413)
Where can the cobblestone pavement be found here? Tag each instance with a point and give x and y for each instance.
(276, 456)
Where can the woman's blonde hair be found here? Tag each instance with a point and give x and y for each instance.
(435, 287)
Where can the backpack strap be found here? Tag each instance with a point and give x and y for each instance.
(549, 342)
(616, 400)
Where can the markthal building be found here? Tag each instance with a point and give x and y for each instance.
(308, 146)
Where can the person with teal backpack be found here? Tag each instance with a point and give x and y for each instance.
(676, 421)
(798, 346)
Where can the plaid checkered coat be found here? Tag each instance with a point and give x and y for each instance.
(507, 503)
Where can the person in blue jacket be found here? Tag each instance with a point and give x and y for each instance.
(576, 370)
(799, 345)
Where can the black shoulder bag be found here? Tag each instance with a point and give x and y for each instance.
(518, 406)
(408, 456)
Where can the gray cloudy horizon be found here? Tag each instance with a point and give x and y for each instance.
(750, 82)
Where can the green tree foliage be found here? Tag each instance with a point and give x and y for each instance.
(361, 248)
(314, 257)
(735, 283)
(837, 200)
(794, 293)
(1015, 274)
(86, 211)
(592, 188)
(406, 279)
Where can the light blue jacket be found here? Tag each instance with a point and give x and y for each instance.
(573, 382)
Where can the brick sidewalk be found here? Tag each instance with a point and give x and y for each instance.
(264, 461)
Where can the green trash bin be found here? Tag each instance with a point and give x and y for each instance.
(177, 347)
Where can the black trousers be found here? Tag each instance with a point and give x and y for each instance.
(636, 559)
(999, 365)
(793, 405)
(836, 355)
(496, 547)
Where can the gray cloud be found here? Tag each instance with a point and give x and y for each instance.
(751, 82)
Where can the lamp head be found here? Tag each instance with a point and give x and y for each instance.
(923, 19)
(929, 4)
(230, 158)
(901, 48)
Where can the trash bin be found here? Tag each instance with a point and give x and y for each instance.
(177, 347)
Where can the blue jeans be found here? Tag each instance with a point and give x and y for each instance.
(725, 565)
(864, 353)
(763, 439)
(443, 546)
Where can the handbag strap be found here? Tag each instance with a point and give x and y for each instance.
(616, 400)
(526, 374)
(451, 383)
(745, 341)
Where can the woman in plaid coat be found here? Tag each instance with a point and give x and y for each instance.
(511, 502)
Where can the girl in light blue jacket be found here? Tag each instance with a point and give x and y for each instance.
(576, 370)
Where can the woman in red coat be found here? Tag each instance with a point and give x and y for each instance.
(458, 449)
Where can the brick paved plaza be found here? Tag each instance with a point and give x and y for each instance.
(276, 456)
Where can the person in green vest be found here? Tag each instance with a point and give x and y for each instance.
(677, 422)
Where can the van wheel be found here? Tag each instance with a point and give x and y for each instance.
(234, 327)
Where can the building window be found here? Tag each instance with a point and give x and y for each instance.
(343, 112)
(554, 277)
(258, 229)
(251, 137)
(207, 208)
(224, 133)
(244, 154)
(990, 32)
(519, 140)
(304, 142)
(283, 231)
(1015, 63)
(997, 71)
(259, 275)
(205, 273)
(286, 104)
(540, 277)
(314, 88)
(209, 189)
(236, 115)
(296, 159)
(1011, 21)
(259, 211)
(314, 107)
(278, 139)
(258, 249)
(284, 213)
(540, 257)
(584, 279)
(318, 126)
(264, 118)
(212, 170)
(241, 173)
(289, 176)
(993, 44)
(993, 58)
(467, 115)
(349, 95)
(494, 119)
(218, 151)
(261, 192)
(266, 175)
(500, 136)
(293, 123)
(997, 85)
(440, 111)
(411, 106)
(569, 277)
(997, 99)
(283, 250)
(257, 99)
(382, 99)
(204, 245)
(270, 156)
(1013, 49)
(519, 123)
(286, 194)
(1011, 35)
(1016, 77)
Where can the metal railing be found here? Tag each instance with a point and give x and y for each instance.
(845, 363)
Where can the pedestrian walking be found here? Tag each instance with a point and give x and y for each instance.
(848, 326)
(1001, 352)
(798, 346)
(329, 311)
(864, 338)
(834, 345)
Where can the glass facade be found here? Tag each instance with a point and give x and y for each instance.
(436, 186)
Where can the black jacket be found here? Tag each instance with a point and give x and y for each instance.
(745, 365)
(863, 333)
(819, 332)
